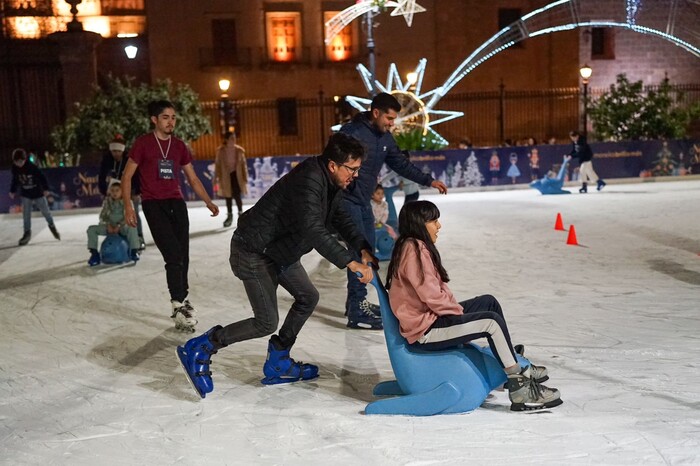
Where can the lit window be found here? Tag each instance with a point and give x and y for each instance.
(25, 27)
(341, 47)
(283, 35)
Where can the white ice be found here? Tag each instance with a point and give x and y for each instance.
(89, 376)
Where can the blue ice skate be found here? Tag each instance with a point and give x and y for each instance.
(195, 359)
(280, 368)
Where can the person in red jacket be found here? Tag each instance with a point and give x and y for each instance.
(431, 318)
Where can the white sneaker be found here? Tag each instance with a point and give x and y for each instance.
(183, 317)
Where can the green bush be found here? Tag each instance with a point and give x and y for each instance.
(629, 112)
(120, 107)
(415, 140)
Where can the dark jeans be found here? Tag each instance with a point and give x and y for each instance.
(236, 193)
(170, 228)
(482, 318)
(261, 277)
(363, 218)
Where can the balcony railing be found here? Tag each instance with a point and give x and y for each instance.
(213, 57)
(300, 56)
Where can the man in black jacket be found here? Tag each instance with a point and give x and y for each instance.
(297, 214)
(582, 151)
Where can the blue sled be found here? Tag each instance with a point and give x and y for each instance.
(548, 185)
(433, 382)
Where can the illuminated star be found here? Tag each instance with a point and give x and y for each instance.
(407, 8)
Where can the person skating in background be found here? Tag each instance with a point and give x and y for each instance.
(231, 171)
(582, 151)
(112, 223)
(373, 129)
(33, 189)
(112, 167)
(293, 217)
(159, 157)
(380, 210)
(431, 318)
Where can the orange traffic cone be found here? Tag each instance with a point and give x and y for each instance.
(572, 237)
(559, 224)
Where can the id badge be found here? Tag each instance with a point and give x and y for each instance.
(165, 170)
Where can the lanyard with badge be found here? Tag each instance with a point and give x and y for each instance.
(165, 167)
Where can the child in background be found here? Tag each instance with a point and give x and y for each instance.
(112, 223)
(431, 318)
(33, 188)
(380, 209)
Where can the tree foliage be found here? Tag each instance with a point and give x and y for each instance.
(414, 139)
(120, 107)
(627, 111)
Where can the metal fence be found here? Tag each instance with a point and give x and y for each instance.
(490, 119)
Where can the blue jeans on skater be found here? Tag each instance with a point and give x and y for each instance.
(42, 204)
(363, 218)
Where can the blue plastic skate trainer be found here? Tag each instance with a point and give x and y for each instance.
(433, 382)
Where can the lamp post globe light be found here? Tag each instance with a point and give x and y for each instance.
(412, 79)
(586, 72)
(227, 112)
(131, 51)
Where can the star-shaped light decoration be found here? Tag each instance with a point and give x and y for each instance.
(415, 112)
(405, 8)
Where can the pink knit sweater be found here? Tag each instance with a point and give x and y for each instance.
(417, 305)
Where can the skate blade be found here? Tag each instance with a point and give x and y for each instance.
(281, 380)
(525, 408)
(182, 357)
(185, 328)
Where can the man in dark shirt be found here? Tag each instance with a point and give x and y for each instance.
(582, 151)
(373, 129)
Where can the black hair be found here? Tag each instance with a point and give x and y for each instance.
(227, 135)
(379, 186)
(574, 133)
(156, 107)
(342, 147)
(19, 154)
(384, 102)
(412, 220)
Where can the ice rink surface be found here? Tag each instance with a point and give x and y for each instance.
(89, 376)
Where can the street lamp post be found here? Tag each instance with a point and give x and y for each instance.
(586, 72)
(225, 106)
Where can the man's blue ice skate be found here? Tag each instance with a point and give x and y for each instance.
(195, 359)
(280, 368)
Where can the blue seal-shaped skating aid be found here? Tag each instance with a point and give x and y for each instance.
(548, 185)
(114, 250)
(433, 382)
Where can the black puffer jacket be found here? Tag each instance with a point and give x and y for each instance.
(296, 215)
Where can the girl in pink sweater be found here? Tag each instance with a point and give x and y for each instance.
(430, 316)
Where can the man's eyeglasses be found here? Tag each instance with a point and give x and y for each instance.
(352, 170)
